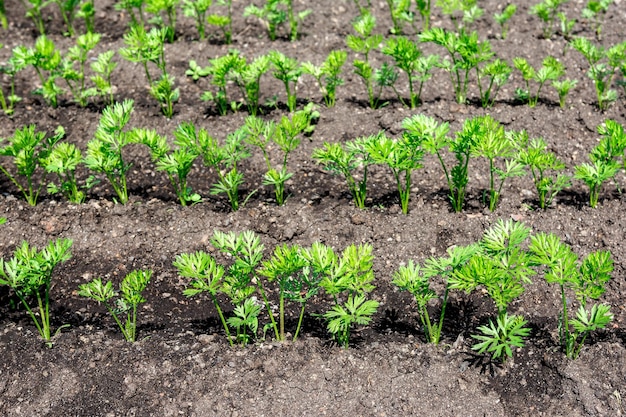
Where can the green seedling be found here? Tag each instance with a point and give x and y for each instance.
(603, 67)
(462, 146)
(604, 159)
(34, 10)
(46, 61)
(198, 10)
(75, 77)
(328, 75)
(463, 13)
(345, 159)
(416, 280)
(132, 8)
(594, 175)
(466, 52)
(241, 281)
(567, 27)
(103, 67)
(298, 281)
(28, 149)
(295, 19)
(363, 43)
(408, 58)
(248, 78)
(224, 22)
(543, 164)
(29, 274)
(497, 73)
(145, 47)
(285, 136)
(12, 67)
(270, 14)
(104, 151)
(131, 289)
(547, 11)
(68, 9)
(287, 70)
(491, 143)
(563, 87)
(245, 321)
(224, 159)
(586, 279)
(551, 70)
(221, 70)
(401, 13)
(206, 276)
(504, 18)
(351, 275)
(159, 8)
(176, 163)
(402, 156)
(87, 12)
(595, 12)
(63, 161)
(501, 267)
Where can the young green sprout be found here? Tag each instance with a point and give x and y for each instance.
(595, 12)
(75, 77)
(167, 8)
(104, 151)
(12, 67)
(103, 67)
(547, 11)
(131, 289)
(551, 70)
(501, 267)
(586, 279)
(328, 75)
(69, 10)
(270, 14)
(287, 70)
(198, 10)
(46, 60)
(63, 161)
(345, 160)
(28, 150)
(224, 22)
(34, 10)
(543, 164)
(504, 18)
(29, 274)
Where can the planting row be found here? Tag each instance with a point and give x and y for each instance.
(506, 260)
(276, 13)
(33, 155)
(467, 60)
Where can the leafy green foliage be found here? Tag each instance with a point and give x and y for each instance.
(416, 280)
(287, 70)
(167, 8)
(75, 77)
(408, 58)
(587, 279)
(563, 88)
(103, 67)
(245, 319)
(198, 10)
(491, 143)
(28, 150)
(357, 310)
(131, 289)
(131, 7)
(224, 22)
(547, 11)
(224, 159)
(462, 12)
(595, 12)
(401, 13)
(69, 10)
(345, 159)
(543, 164)
(465, 51)
(504, 18)
(603, 66)
(104, 151)
(63, 161)
(176, 163)
(498, 339)
(29, 274)
(284, 135)
(594, 175)
(34, 10)
(497, 73)
(11, 68)
(328, 75)
(46, 60)
(271, 14)
(402, 156)
(551, 70)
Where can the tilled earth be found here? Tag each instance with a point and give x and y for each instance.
(182, 364)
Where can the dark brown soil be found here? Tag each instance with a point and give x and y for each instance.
(182, 364)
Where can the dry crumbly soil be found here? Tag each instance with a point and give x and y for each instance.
(182, 364)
